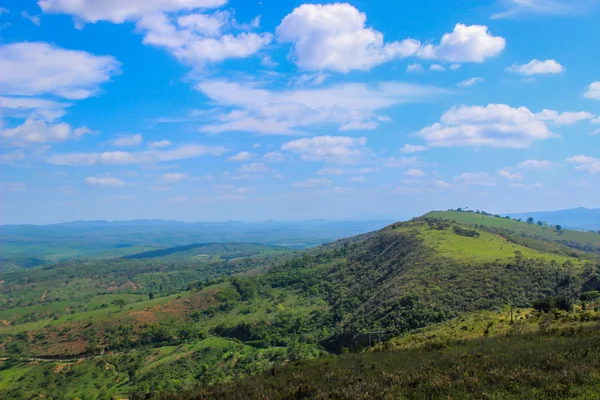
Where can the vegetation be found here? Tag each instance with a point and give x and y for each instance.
(190, 319)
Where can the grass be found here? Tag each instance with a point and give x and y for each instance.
(516, 226)
(485, 248)
(452, 360)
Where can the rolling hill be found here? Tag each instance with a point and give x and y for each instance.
(575, 218)
(170, 324)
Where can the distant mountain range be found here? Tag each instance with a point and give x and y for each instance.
(574, 218)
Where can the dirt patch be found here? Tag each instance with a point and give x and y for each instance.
(44, 295)
(179, 308)
(62, 367)
(4, 322)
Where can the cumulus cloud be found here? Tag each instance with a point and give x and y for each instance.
(411, 148)
(565, 118)
(100, 181)
(241, 156)
(465, 44)
(255, 168)
(40, 132)
(414, 173)
(585, 163)
(193, 46)
(475, 179)
(536, 164)
(495, 125)
(510, 175)
(415, 67)
(37, 68)
(536, 67)
(437, 67)
(118, 11)
(173, 177)
(275, 112)
(331, 149)
(140, 157)
(470, 82)
(313, 182)
(127, 141)
(335, 37)
(160, 144)
(593, 91)
(394, 162)
(32, 107)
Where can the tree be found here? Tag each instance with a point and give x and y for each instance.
(119, 303)
(151, 296)
(530, 220)
(558, 228)
(540, 223)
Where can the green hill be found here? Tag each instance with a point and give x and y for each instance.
(173, 321)
(588, 241)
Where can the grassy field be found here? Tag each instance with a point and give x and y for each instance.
(516, 226)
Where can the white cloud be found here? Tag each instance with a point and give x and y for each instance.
(173, 177)
(39, 132)
(160, 144)
(414, 173)
(159, 188)
(536, 164)
(475, 179)
(273, 157)
(437, 67)
(127, 141)
(35, 19)
(465, 44)
(454, 67)
(593, 91)
(194, 49)
(118, 11)
(393, 162)
(313, 182)
(4, 10)
(99, 181)
(32, 107)
(513, 176)
(35, 68)
(241, 156)
(496, 125)
(536, 67)
(565, 118)
(349, 105)
(208, 25)
(358, 179)
(520, 8)
(256, 167)
(441, 184)
(331, 149)
(470, 82)
(127, 158)
(335, 37)
(410, 148)
(585, 163)
(414, 68)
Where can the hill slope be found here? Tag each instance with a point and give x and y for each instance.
(575, 218)
(186, 321)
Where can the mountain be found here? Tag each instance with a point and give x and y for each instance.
(181, 323)
(575, 218)
(30, 245)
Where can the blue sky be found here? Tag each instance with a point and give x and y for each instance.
(214, 110)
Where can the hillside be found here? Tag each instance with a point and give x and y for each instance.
(575, 218)
(171, 321)
(589, 241)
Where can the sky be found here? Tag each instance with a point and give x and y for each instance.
(209, 110)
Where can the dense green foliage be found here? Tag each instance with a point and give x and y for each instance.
(172, 320)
